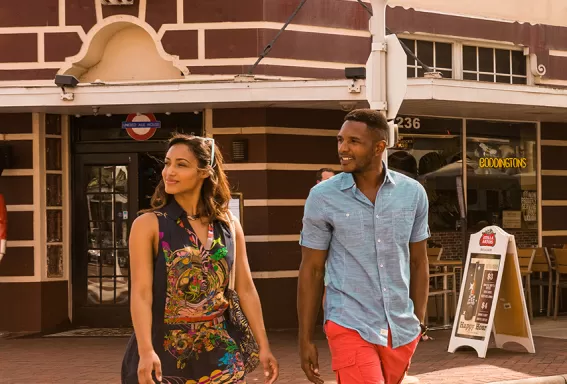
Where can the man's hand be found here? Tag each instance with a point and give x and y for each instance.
(310, 362)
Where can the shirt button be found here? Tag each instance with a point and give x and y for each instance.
(379, 240)
(384, 289)
(376, 216)
(381, 265)
(348, 214)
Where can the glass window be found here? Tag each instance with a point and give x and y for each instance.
(501, 176)
(439, 56)
(494, 65)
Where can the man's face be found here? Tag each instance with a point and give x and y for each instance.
(358, 147)
(326, 175)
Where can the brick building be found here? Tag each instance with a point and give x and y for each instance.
(77, 178)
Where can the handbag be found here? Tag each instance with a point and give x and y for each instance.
(237, 324)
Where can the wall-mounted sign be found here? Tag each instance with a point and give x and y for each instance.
(236, 206)
(412, 125)
(141, 126)
(491, 299)
(512, 219)
(499, 162)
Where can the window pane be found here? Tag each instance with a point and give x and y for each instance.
(411, 72)
(503, 79)
(447, 74)
(469, 58)
(519, 80)
(489, 78)
(485, 59)
(469, 76)
(411, 45)
(502, 61)
(425, 52)
(443, 55)
(518, 63)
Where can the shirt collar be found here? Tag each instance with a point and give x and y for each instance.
(348, 179)
(173, 209)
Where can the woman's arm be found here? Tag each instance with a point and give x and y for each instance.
(143, 246)
(249, 299)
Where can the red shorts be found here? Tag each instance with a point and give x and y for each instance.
(356, 361)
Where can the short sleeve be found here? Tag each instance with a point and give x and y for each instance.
(316, 232)
(420, 230)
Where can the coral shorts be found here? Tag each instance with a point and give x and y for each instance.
(356, 361)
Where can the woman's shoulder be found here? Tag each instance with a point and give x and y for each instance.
(145, 223)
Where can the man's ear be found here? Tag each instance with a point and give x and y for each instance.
(380, 147)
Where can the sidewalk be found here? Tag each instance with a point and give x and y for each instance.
(86, 360)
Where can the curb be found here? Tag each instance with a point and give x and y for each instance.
(561, 379)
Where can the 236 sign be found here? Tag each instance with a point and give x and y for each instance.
(408, 122)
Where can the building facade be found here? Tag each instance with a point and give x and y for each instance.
(76, 179)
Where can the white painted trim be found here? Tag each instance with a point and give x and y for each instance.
(554, 203)
(62, 16)
(557, 53)
(539, 192)
(52, 136)
(278, 167)
(180, 15)
(41, 47)
(20, 208)
(16, 136)
(275, 274)
(142, 10)
(477, 42)
(208, 122)
(270, 238)
(267, 61)
(553, 172)
(19, 279)
(17, 172)
(39, 198)
(276, 131)
(53, 172)
(560, 83)
(261, 25)
(67, 207)
(98, 11)
(45, 29)
(201, 44)
(554, 143)
(274, 202)
(34, 65)
(562, 232)
(50, 208)
(20, 243)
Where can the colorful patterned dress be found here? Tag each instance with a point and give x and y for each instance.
(189, 331)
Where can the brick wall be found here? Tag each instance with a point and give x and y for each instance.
(451, 241)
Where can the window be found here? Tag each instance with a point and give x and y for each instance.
(439, 56)
(494, 65)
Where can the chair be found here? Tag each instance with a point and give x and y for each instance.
(525, 259)
(560, 269)
(542, 276)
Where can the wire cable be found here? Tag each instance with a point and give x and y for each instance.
(270, 45)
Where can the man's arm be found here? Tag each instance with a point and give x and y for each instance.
(315, 239)
(419, 263)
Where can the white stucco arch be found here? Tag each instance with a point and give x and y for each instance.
(133, 33)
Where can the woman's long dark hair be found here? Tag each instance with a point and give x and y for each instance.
(215, 192)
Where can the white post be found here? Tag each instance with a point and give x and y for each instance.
(376, 95)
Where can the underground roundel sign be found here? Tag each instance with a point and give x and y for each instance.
(488, 238)
(141, 126)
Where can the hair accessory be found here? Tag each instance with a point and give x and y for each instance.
(212, 149)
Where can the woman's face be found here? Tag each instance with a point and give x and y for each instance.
(181, 172)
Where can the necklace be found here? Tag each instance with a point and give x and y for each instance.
(193, 217)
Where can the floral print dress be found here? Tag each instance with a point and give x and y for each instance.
(189, 330)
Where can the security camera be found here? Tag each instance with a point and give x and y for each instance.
(66, 81)
(355, 73)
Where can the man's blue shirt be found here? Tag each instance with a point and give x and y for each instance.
(368, 267)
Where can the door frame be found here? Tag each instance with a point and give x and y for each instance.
(99, 315)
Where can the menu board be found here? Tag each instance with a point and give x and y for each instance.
(479, 295)
(529, 206)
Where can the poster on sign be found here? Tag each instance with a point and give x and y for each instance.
(491, 299)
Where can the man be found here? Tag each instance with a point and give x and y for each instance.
(324, 174)
(369, 224)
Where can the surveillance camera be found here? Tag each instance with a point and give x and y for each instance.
(355, 73)
(66, 81)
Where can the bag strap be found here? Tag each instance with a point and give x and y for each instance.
(232, 278)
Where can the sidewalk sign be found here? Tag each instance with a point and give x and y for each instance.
(491, 297)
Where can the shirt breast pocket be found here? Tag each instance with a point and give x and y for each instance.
(403, 220)
(349, 226)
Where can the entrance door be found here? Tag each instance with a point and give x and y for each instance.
(105, 204)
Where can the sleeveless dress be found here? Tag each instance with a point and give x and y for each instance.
(189, 330)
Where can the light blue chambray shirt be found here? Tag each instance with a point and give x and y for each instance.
(368, 268)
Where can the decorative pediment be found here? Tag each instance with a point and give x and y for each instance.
(117, 2)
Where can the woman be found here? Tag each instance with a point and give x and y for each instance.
(181, 254)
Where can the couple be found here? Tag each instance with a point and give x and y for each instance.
(181, 263)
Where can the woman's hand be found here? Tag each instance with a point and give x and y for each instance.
(149, 362)
(270, 365)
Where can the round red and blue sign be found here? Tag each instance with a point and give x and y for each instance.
(141, 126)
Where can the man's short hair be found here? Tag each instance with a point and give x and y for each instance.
(320, 173)
(374, 120)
